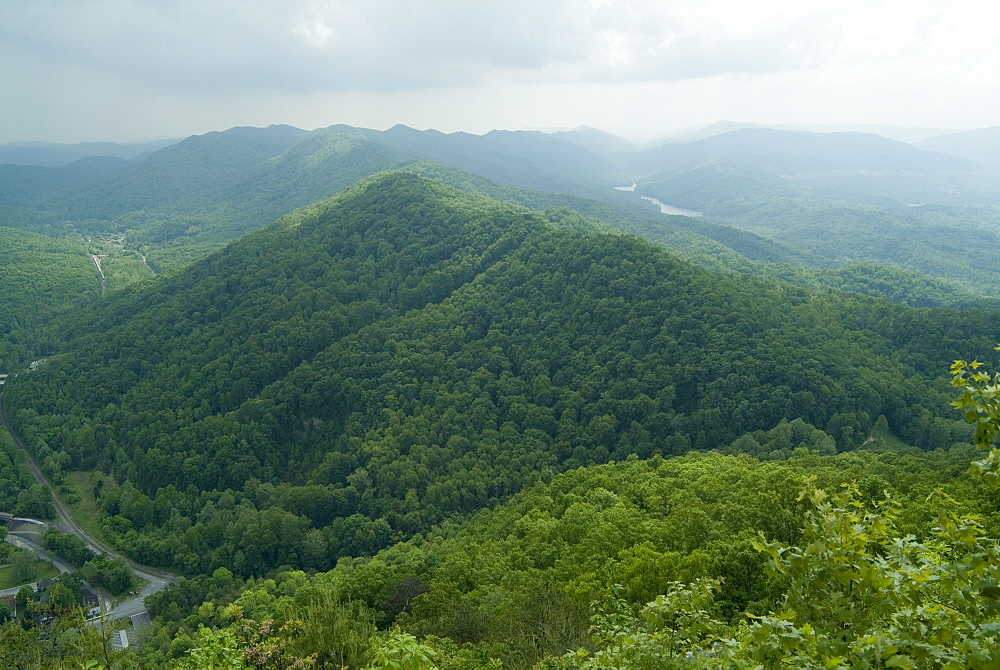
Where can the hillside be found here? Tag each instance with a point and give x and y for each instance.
(552, 570)
(405, 353)
(939, 224)
(39, 277)
(981, 145)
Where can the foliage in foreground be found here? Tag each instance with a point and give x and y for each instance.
(860, 595)
(871, 581)
(861, 588)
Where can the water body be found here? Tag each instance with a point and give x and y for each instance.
(664, 207)
(670, 209)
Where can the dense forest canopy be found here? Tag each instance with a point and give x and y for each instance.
(483, 410)
(39, 277)
(380, 362)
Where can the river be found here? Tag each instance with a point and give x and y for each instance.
(670, 209)
(664, 207)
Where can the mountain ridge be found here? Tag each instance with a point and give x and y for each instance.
(408, 336)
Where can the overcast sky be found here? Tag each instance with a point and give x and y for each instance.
(73, 70)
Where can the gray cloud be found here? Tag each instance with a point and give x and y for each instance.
(383, 44)
(100, 69)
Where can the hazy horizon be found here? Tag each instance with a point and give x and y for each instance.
(139, 70)
(699, 131)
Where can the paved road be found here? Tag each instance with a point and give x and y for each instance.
(157, 579)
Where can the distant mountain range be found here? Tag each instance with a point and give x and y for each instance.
(789, 151)
(50, 153)
(981, 145)
(183, 200)
(900, 133)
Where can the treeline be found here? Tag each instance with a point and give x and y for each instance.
(407, 353)
(618, 565)
(19, 493)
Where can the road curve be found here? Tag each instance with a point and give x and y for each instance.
(158, 579)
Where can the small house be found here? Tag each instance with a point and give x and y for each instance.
(89, 596)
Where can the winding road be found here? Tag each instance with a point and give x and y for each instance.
(155, 579)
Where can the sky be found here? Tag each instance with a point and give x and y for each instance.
(133, 70)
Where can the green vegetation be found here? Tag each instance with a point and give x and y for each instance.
(413, 426)
(957, 244)
(103, 571)
(573, 563)
(405, 354)
(943, 247)
(19, 494)
(22, 567)
(185, 200)
(122, 269)
(78, 493)
(39, 277)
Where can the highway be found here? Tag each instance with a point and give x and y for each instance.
(156, 579)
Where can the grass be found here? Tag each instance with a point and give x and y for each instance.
(123, 268)
(77, 494)
(8, 578)
(889, 442)
(167, 259)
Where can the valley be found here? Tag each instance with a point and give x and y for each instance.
(152, 580)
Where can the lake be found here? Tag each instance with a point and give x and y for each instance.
(670, 209)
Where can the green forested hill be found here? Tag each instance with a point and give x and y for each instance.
(405, 353)
(243, 178)
(728, 249)
(830, 224)
(39, 276)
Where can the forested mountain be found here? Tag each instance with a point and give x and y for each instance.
(462, 384)
(188, 199)
(256, 171)
(380, 362)
(943, 226)
(595, 141)
(845, 194)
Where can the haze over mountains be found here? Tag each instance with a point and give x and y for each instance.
(51, 153)
(188, 198)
